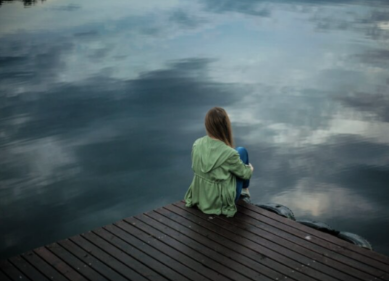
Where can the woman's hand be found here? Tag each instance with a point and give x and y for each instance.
(251, 167)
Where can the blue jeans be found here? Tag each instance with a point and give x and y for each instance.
(240, 183)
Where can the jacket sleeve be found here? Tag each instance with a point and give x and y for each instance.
(235, 166)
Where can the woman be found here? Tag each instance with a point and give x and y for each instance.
(220, 175)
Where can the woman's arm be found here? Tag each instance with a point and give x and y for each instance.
(238, 168)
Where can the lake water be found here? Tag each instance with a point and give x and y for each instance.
(100, 102)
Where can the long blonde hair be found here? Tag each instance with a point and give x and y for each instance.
(218, 125)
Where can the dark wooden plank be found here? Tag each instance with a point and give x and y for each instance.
(124, 257)
(217, 252)
(75, 263)
(305, 269)
(27, 269)
(316, 252)
(43, 266)
(158, 241)
(154, 264)
(124, 270)
(379, 258)
(11, 271)
(4, 277)
(276, 244)
(96, 264)
(303, 231)
(207, 248)
(232, 244)
(195, 255)
(178, 243)
(322, 263)
(157, 250)
(59, 264)
(202, 258)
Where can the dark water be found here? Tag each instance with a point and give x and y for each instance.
(100, 102)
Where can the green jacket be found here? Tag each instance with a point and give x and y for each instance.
(215, 166)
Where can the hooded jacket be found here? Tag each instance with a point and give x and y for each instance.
(215, 166)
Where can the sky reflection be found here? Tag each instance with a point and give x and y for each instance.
(98, 113)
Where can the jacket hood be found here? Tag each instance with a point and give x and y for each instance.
(210, 153)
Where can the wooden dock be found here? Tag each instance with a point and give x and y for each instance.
(178, 243)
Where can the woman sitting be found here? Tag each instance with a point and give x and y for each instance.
(221, 173)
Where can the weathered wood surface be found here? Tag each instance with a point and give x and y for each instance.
(179, 243)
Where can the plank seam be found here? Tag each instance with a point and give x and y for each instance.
(332, 257)
(325, 240)
(140, 261)
(167, 245)
(288, 268)
(307, 254)
(140, 248)
(96, 257)
(154, 237)
(225, 247)
(90, 241)
(51, 265)
(37, 269)
(216, 261)
(76, 270)
(80, 260)
(40, 270)
(338, 242)
(10, 278)
(311, 271)
(90, 255)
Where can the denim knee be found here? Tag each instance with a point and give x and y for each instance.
(242, 153)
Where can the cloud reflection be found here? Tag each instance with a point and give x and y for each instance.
(370, 22)
(74, 136)
(186, 20)
(249, 7)
(98, 114)
(325, 202)
(373, 104)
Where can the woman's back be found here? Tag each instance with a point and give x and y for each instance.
(215, 166)
(209, 156)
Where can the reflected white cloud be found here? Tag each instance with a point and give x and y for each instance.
(46, 160)
(87, 13)
(121, 89)
(373, 131)
(384, 25)
(313, 199)
(300, 136)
